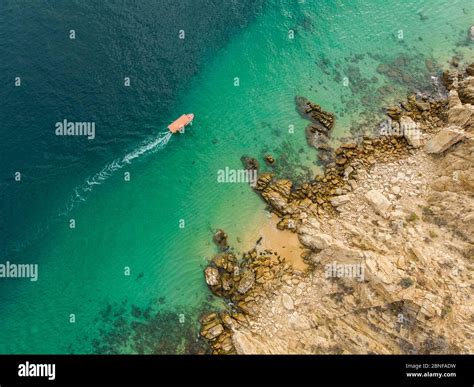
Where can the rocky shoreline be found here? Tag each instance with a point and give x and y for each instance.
(398, 207)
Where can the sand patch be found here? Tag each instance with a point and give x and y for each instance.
(284, 243)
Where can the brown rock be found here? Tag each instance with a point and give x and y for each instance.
(247, 281)
(212, 276)
(220, 239)
(269, 159)
(315, 113)
(250, 163)
(444, 139)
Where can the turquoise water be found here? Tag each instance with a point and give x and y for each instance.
(136, 224)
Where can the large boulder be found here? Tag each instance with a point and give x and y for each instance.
(378, 202)
(212, 276)
(444, 139)
(277, 194)
(459, 114)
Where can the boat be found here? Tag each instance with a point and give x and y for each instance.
(181, 123)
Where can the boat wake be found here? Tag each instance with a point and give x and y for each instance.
(81, 192)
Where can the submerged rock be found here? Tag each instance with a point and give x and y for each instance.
(269, 159)
(220, 239)
(250, 163)
(325, 120)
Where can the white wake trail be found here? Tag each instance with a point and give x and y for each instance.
(81, 192)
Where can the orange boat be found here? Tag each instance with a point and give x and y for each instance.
(180, 123)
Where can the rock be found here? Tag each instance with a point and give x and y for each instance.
(410, 131)
(454, 61)
(317, 138)
(220, 239)
(287, 301)
(347, 172)
(450, 79)
(470, 69)
(340, 200)
(263, 180)
(379, 203)
(422, 106)
(444, 139)
(315, 113)
(349, 145)
(212, 276)
(269, 159)
(250, 163)
(225, 261)
(396, 189)
(207, 318)
(316, 240)
(286, 223)
(459, 114)
(247, 281)
(466, 90)
(299, 322)
(214, 332)
(394, 112)
(248, 344)
(277, 194)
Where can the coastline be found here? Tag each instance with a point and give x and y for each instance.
(399, 205)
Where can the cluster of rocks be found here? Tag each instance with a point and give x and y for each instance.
(326, 192)
(241, 281)
(420, 108)
(318, 131)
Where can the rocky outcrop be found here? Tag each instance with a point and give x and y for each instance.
(322, 120)
(388, 233)
(318, 131)
(444, 139)
(466, 90)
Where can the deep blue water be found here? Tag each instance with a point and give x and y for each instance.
(83, 80)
